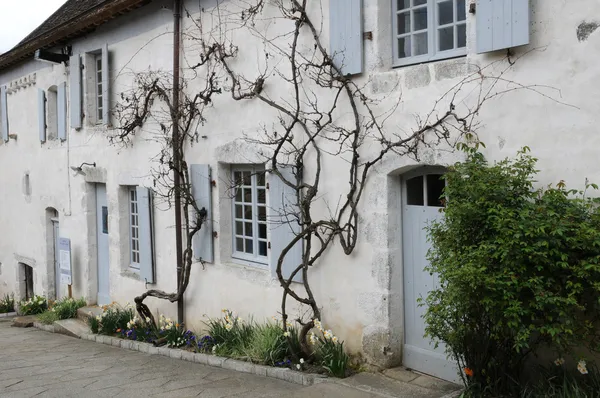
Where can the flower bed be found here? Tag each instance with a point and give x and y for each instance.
(7, 304)
(230, 337)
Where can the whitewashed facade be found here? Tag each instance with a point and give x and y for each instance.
(363, 296)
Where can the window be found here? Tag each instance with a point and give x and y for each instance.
(249, 215)
(134, 228)
(425, 190)
(99, 71)
(52, 113)
(427, 30)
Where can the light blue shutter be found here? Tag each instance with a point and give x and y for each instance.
(61, 110)
(502, 24)
(75, 91)
(4, 113)
(42, 114)
(283, 225)
(345, 35)
(202, 242)
(144, 199)
(105, 87)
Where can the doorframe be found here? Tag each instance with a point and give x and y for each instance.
(95, 280)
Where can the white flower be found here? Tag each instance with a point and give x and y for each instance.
(228, 326)
(318, 324)
(559, 361)
(298, 367)
(327, 334)
(334, 339)
(582, 368)
(214, 349)
(147, 319)
(312, 338)
(286, 334)
(301, 360)
(98, 318)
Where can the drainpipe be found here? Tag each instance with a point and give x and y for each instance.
(176, 158)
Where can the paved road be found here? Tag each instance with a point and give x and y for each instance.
(41, 364)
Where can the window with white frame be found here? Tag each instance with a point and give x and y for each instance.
(428, 30)
(249, 214)
(134, 229)
(98, 69)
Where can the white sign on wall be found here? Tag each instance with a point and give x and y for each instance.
(64, 246)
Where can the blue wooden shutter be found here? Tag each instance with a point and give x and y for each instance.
(283, 226)
(202, 242)
(144, 198)
(42, 114)
(61, 110)
(502, 24)
(4, 113)
(105, 87)
(345, 35)
(75, 91)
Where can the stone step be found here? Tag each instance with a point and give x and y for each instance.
(83, 313)
(24, 321)
(72, 327)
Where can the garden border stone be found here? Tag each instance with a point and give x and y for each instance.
(285, 374)
(8, 314)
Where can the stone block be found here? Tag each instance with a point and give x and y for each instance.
(143, 347)
(165, 351)
(152, 350)
(116, 341)
(175, 353)
(201, 358)
(215, 361)
(292, 376)
(277, 373)
(134, 345)
(187, 356)
(126, 344)
(454, 68)
(260, 370)
(417, 76)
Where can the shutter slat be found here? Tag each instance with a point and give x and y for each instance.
(502, 24)
(4, 113)
(75, 91)
(144, 198)
(202, 243)
(42, 114)
(61, 110)
(105, 86)
(345, 31)
(283, 227)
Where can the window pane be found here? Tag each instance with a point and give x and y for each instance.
(262, 231)
(248, 229)
(461, 33)
(239, 244)
(247, 195)
(419, 2)
(248, 212)
(262, 213)
(402, 4)
(446, 38)
(414, 191)
(247, 178)
(435, 188)
(261, 196)
(239, 228)
(421, 43)
(420, 18)
(238, 195)
(238, 211)
(445, 12)
(249, 248)
(403, 23)
(237, 178)
(461, 10)
(260, 179)
(404, 47)
(262, 248)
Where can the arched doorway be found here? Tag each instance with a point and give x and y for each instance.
(421, 203)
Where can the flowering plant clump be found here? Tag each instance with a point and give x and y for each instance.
(64, 308)
(329, 351)
(113, 320)
(35, 305)
(7, 304)
(206, 344)
(138, 330)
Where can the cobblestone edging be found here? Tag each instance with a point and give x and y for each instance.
(7, 314)
(285, 374)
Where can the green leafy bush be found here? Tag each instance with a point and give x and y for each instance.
(518, 268)
(267, 346)
(7, 304)
(113, 320)
(33, 306)
(230, 335)
(65, 308)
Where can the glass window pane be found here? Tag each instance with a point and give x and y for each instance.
(414, 191)
(247, 195)
(249, 248)
(248, 212)
(238, 211)
(247, 178)
(239, 228)
(435, 188)
(262, 231)
(262, 248)
(260, 179)
(446, 38)
(237, 178)
(238, 194)
(404, 47)
(261, 196)
(445, 12)
(403, 23)
(262, 213)
(419, 2)
(420, 18)
(239, 244)
(421, 43)
(402, 4)
(248, 229)
(461, 10)
(461, 33)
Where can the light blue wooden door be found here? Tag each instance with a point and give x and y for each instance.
(102, 234)
(421, 205)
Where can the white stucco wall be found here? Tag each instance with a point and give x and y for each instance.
(361, 294)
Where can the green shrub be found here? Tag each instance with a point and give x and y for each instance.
(33, 306)
(329, 352)
(7, 304)
(230, 335)
(267, 346)
(517, 267)
(113, 320)
(175, 334)
(65, 308)
(48, 317)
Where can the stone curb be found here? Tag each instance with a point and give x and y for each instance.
(7, 314)
(285, 374)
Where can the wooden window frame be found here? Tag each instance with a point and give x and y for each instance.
(134, 228)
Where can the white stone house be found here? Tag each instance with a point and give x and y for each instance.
(55, 117)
